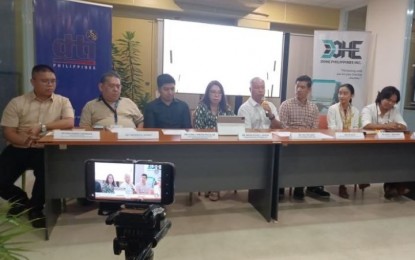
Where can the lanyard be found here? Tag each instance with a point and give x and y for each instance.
(113, 109)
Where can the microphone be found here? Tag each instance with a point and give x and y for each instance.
(263, 102)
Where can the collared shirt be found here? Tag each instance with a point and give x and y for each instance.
(95, 112)
(174, 116)
(296, 115)
(143, 188)
(128, 188)
(335, 119)
(255, 117)
(26, 111)
(371, 115)
(205, 119)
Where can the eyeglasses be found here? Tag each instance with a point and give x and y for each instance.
(212, 92)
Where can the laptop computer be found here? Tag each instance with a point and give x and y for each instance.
(231, 125)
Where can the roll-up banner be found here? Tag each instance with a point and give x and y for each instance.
(339, 57)
(74, 38)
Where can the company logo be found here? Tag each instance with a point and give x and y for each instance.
(75, 51)
(339, 49)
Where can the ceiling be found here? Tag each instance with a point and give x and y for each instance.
(337, 4)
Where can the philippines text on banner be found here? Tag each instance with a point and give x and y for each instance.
(339, 57)
(75, 39)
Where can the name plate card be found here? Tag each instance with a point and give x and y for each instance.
(349, 136)
(306, 136)
(254, 136)
(199, 136)
(76, 135)
(138, 135)
(390, 136)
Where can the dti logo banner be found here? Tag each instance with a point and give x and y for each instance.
(339, 57)
(75, 39)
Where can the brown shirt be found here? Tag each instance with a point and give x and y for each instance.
(26, 111)
(95, 112)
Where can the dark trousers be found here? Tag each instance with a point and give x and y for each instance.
(13, 162)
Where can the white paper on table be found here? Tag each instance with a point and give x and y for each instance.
(173, 131)
(123, 130)
(324, 136)
(281, 134)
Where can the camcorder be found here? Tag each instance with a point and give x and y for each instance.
(144, 187)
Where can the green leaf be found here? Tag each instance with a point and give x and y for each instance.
(126, 61)
(10, 230)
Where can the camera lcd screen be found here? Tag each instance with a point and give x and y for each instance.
(125, 181)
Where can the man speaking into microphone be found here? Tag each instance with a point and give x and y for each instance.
(259, 113)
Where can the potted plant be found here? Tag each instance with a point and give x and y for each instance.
(126, 61)
(11, 228)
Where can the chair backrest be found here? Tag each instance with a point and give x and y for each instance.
(322, 122)
(193, 117)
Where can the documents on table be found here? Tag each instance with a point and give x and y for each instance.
(281, 134)
(199, 136)
(76, 135)
(173, 131)
(302, 135)
(390, 135)
(309, 136)
(349, 136)
(254, 136)
(129, 133)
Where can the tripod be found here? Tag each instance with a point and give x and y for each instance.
(138, 230)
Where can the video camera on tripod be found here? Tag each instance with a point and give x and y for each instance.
(143, 187)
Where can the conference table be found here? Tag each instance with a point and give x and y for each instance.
(331, 161)
(201, 165)
(259, 166)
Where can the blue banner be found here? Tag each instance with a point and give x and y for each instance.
(75, 39)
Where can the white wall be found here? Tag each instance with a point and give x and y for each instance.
(300, 60)
(387, 20)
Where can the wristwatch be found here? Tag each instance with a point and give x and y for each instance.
(43, 128)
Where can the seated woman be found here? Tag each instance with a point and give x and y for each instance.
(383, 115)
(206, 114)
(109, 184)
(344, 116)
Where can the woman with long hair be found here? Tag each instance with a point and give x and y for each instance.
(212, 105)
(344, 116)
(109, 184)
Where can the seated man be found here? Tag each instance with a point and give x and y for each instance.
(127, 185)
(24, 120)
(300, 113)
(258, 113)
(167, 111)
(109, 109)
(142, 187)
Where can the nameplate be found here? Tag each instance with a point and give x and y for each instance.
(254, 136)
(138, 135)
(76, 135)
(390, 135)
(306, 136)
(199, 136)
(349, 136)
